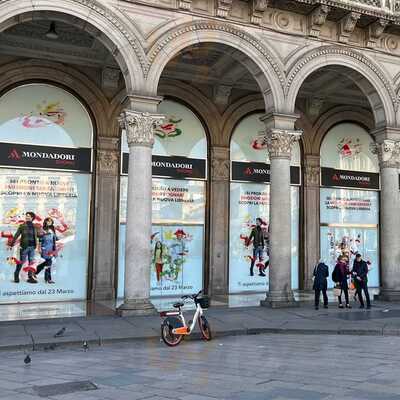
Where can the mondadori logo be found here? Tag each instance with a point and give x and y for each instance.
(14, 155)
(58, 157)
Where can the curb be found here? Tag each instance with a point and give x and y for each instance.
(50, 345)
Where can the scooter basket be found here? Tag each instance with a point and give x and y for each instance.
(204, 302)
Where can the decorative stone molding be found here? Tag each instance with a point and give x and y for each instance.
(347, 25)
(388, 152)
(110, 78)
(279, 142)
(139, 127)
(185, 4)
(223, 8)
(257, 12)
(104, 12)
(221, 95)
(107, 162)
(375, 31)
(220, 164)
(217, 26)
(342, 51)
(312, 174)
(317, 19)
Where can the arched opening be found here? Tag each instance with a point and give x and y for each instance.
(339, 104)
(61, 73)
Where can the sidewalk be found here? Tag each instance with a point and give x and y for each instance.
(383, 319)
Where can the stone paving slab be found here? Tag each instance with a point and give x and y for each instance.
(382, 320)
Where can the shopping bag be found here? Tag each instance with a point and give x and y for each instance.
(337, 290)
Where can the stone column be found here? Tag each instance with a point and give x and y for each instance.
(311, 219)
(279, 144)
(219, 233)
(139, 127)
(389, 159)
(106, 219)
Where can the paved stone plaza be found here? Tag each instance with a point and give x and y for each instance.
(255, 367)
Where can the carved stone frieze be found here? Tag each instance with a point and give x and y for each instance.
(185, 4)
(223, 8)
(317, 19)
(375, 31)
(388, 152)
(280, 141)
(220, 164)
(257, 12)
(312, 174)
(107, 162)
(347, 25)
(139, 127)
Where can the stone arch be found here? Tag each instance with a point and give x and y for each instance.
(369, 77)
(94, 17)
(32, 70)
(260, 61)
(333, 117)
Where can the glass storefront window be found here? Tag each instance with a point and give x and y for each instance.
(45, 167)
(178, 206)
(349, 216)
(250, 199)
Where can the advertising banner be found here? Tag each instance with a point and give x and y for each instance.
(349, 225)
(45, 157)
(177, 239)
(249, 271)
(258, 172)
(172, 167)
(65, 198)
(349, 179)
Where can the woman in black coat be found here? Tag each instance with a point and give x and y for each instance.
(321, 273)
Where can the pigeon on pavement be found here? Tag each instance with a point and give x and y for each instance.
(27, 359)
(60, 332)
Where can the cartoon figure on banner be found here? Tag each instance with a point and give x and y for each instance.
(259, 142)
(348, 147)
(170, 255)
(53, 112)
(169, 129)
(259, 238)
(29, 260)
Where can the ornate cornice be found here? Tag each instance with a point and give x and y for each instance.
(279, 142)
(107, 162)
(220, 164)
(388, 152)
(342, 51)
(216, 26)
(139, 127)
(317, 19)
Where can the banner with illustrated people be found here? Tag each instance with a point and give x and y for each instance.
(56, 266)
(177, 239)
(349, 225)
(249, 245)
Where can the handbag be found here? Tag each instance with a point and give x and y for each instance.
(337, 290)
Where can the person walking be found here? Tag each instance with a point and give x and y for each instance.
(321, 273)
(339, 276)
(48, 247)
(28, 242)
(257, 235)
(360, 274)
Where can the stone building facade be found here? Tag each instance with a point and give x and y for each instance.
(306, 67)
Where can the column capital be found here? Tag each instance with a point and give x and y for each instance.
(280, 141)
(139, 127)
(388, 152)
(220, 163)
